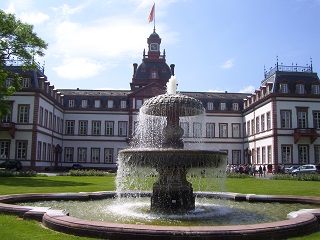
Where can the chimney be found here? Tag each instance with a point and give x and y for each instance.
(135, 65)
(172, 69)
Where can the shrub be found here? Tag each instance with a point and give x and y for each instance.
(89, 172)
(299, 177)
(237, 175)
(11, 173)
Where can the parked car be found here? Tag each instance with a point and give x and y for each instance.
(289, 170)
(77, 167)
(309, 168)
(11, 165)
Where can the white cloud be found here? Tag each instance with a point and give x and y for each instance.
(33, 18)
(248, 89)
(65, 9)
(228, 64)
(78, 68)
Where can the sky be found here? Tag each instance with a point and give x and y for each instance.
(216, 45)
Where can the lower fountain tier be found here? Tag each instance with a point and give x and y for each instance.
(169, 157)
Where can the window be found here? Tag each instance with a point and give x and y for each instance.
(82, 154)
(185, 127)
(68, 154)
(235, 130)
(223, 130)
(197, 130)
(245, 129)
(44, 152)
(286, 154)
(285, 118)
(83, 127)
(248, 128)
(316, 120)
(122, 128)
(317, 154)
(96, 127)
(46, 113)
(154, 75)
(236, 156)
(50, 120)
(263, 155)
(39, 152)
(210, 105)
(71, 103)
(210, 130)
(4, 149)
(23, 114)
(262, 123)
(21, 150)
(300, 88)
(235, 106)
(268, 120)
(223, 106)
(253, 126)
(257, 124)
(110, 103)
(269, 149)
(69, 127)
(138, 103)
(97, 103)
(95, 155)
(25, 82)
(40, 120)
(123, 104)
(315, 89)
(108, 155)
(49, 153)
(302, 118)
(303, 154)
(284, 87)
(84, 103)
(109, 128)
(258, 156)
(9, 82)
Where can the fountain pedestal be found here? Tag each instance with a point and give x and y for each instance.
(172, 192)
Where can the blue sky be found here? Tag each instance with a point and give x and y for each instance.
(216, 45)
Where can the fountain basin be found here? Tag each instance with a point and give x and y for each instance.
(300, 223)
(169, 157)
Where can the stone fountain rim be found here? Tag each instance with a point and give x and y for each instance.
(299, 223)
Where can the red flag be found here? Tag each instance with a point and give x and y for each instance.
(151, 14)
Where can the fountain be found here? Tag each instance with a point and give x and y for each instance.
(172, 192)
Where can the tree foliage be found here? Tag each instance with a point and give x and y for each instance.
(17, 41)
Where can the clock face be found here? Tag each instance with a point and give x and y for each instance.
(154, 46)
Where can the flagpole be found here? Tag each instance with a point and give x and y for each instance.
(154, 18)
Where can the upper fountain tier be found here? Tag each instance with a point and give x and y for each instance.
(172, 104)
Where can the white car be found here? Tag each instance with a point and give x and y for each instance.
(309, 168)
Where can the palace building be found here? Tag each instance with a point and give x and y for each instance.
(52, 129)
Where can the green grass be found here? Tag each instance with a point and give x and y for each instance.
(14, 228)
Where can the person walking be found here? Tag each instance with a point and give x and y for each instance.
(260, 171)
(264, 170)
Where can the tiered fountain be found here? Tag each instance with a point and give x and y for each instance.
(172, 192)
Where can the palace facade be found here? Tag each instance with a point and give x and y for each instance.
(52, 129)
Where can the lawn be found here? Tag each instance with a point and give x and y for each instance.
(14, 228)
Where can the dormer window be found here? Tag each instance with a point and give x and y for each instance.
(71, 103)
(25, 82)
(153, 75)
(284, 87)
(210, 105)
(300, 88)
(315, 89)
(84, 103)
(223, 106)
(235, 106)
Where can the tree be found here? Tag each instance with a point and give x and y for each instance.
(17, 40)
